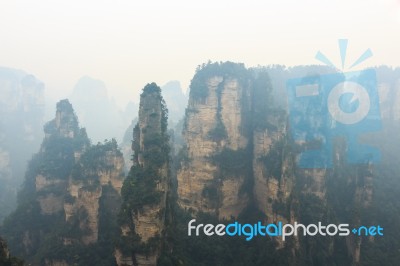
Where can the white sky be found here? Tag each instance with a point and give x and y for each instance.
(130, 43)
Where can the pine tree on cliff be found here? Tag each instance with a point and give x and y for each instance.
(144, 192)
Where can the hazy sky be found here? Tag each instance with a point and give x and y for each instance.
(130, 43)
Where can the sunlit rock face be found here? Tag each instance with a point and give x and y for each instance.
(221, 108)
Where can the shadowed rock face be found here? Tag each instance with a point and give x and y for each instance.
(4, 252)
(145, 190)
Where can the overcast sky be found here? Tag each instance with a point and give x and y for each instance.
(130, 43)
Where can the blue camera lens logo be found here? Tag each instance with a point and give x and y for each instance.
(325, 107)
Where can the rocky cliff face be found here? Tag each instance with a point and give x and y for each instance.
(273, 181)
(176, 101)
(145, 190)
(215, 124)
(389, 96)
(230, 128)
(99, 174)
(88, 94)
(21, 116)
(72, 191)
(126, 145)
(230, 119)
(238, 163)
(4, 252)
